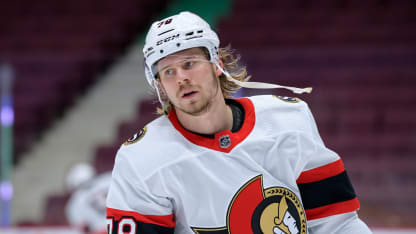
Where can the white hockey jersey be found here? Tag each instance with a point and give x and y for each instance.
(274, 175)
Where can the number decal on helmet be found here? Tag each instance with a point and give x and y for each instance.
(168, 21)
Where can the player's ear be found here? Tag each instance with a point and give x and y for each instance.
(218, 72)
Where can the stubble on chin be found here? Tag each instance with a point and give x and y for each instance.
(196, 110)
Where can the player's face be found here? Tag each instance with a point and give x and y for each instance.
(189, 80)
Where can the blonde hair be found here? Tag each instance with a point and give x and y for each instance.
(231, 65)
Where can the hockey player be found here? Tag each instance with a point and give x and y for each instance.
(86, 206)
(213, 164)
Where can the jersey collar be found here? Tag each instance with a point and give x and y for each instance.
(223, 141)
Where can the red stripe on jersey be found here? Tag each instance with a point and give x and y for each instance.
(333, 209)
(161, 220)
(321, 173)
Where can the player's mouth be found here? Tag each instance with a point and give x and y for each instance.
(189, 94)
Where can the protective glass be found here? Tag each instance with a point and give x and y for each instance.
(170, 66)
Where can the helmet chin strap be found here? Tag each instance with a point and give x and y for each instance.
(157, 88)
(261, 85)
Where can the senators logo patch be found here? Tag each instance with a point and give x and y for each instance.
(288, 99)
(136, 137)
(275, 210)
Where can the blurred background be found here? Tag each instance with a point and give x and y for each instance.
(73, 89)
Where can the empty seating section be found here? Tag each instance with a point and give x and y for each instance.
(55, 205)
(57, 48)
(299, 23)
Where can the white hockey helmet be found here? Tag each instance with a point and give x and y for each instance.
(176, 33)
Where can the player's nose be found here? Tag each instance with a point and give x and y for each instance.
(182, 76)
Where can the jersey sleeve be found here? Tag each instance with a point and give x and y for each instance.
(132, 206)
(324, 185)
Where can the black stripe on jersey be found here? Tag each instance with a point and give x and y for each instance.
(153, 229)
(327, 191)
(147, 228)
(211, 231)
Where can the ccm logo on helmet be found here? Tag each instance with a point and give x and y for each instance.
(167, 39)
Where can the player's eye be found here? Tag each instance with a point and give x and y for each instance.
(188, 64)
(168, 72)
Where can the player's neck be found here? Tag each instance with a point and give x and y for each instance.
(217, 118)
